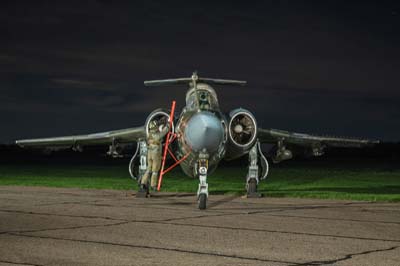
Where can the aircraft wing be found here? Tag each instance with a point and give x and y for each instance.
(306, 140)
(286, 142)
(127, 135)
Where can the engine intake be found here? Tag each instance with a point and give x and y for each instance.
(161, 116)
(242, 128)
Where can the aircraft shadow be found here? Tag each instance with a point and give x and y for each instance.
(222, 201)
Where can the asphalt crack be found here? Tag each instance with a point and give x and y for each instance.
(116, 219)
(64, 228)
(332, 219)
(194, 252)
(170, 222)
(346, 257)
(64, 215)
(120, 221)
(68, 202)
(19, 263)
(275, 231)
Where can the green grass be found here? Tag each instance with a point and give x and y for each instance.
(298, 181)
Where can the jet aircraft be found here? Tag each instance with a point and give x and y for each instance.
(205, 136)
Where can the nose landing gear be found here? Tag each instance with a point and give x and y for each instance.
(202, 192)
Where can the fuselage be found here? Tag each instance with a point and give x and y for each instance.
(201, 128)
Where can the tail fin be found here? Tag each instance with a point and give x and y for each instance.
(193, 79)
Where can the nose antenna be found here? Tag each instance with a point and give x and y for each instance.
(194, 79)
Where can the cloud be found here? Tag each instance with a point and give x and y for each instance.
(307, 66)
(82, 84)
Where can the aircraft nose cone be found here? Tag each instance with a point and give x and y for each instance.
(204, 131)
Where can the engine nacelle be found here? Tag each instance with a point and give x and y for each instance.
(242, 131)
(161, 116)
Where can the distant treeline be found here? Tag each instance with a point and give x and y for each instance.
(384, 152)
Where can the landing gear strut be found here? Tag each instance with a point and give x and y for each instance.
(252, 178)
(202, 192)
(143, 191)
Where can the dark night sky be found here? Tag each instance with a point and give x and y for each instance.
(311, 66)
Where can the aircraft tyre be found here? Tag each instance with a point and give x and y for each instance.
(252, 187)
(202, 201)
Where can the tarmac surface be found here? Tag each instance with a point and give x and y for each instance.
(52, 226)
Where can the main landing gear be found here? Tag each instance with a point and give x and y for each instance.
(254, 173)
(141, 150)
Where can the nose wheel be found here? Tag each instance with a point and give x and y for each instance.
(202, 192)
(202, 201)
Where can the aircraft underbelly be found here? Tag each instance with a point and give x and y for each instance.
(189, 164)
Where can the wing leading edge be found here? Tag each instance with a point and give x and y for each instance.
(300, 139)
(116, 136)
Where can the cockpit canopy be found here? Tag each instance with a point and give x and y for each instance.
(203, 98)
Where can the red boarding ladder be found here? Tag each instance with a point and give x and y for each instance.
(171, 136)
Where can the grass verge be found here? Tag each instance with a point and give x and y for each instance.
(320, 182)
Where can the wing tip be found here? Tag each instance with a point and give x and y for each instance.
(19, 143)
